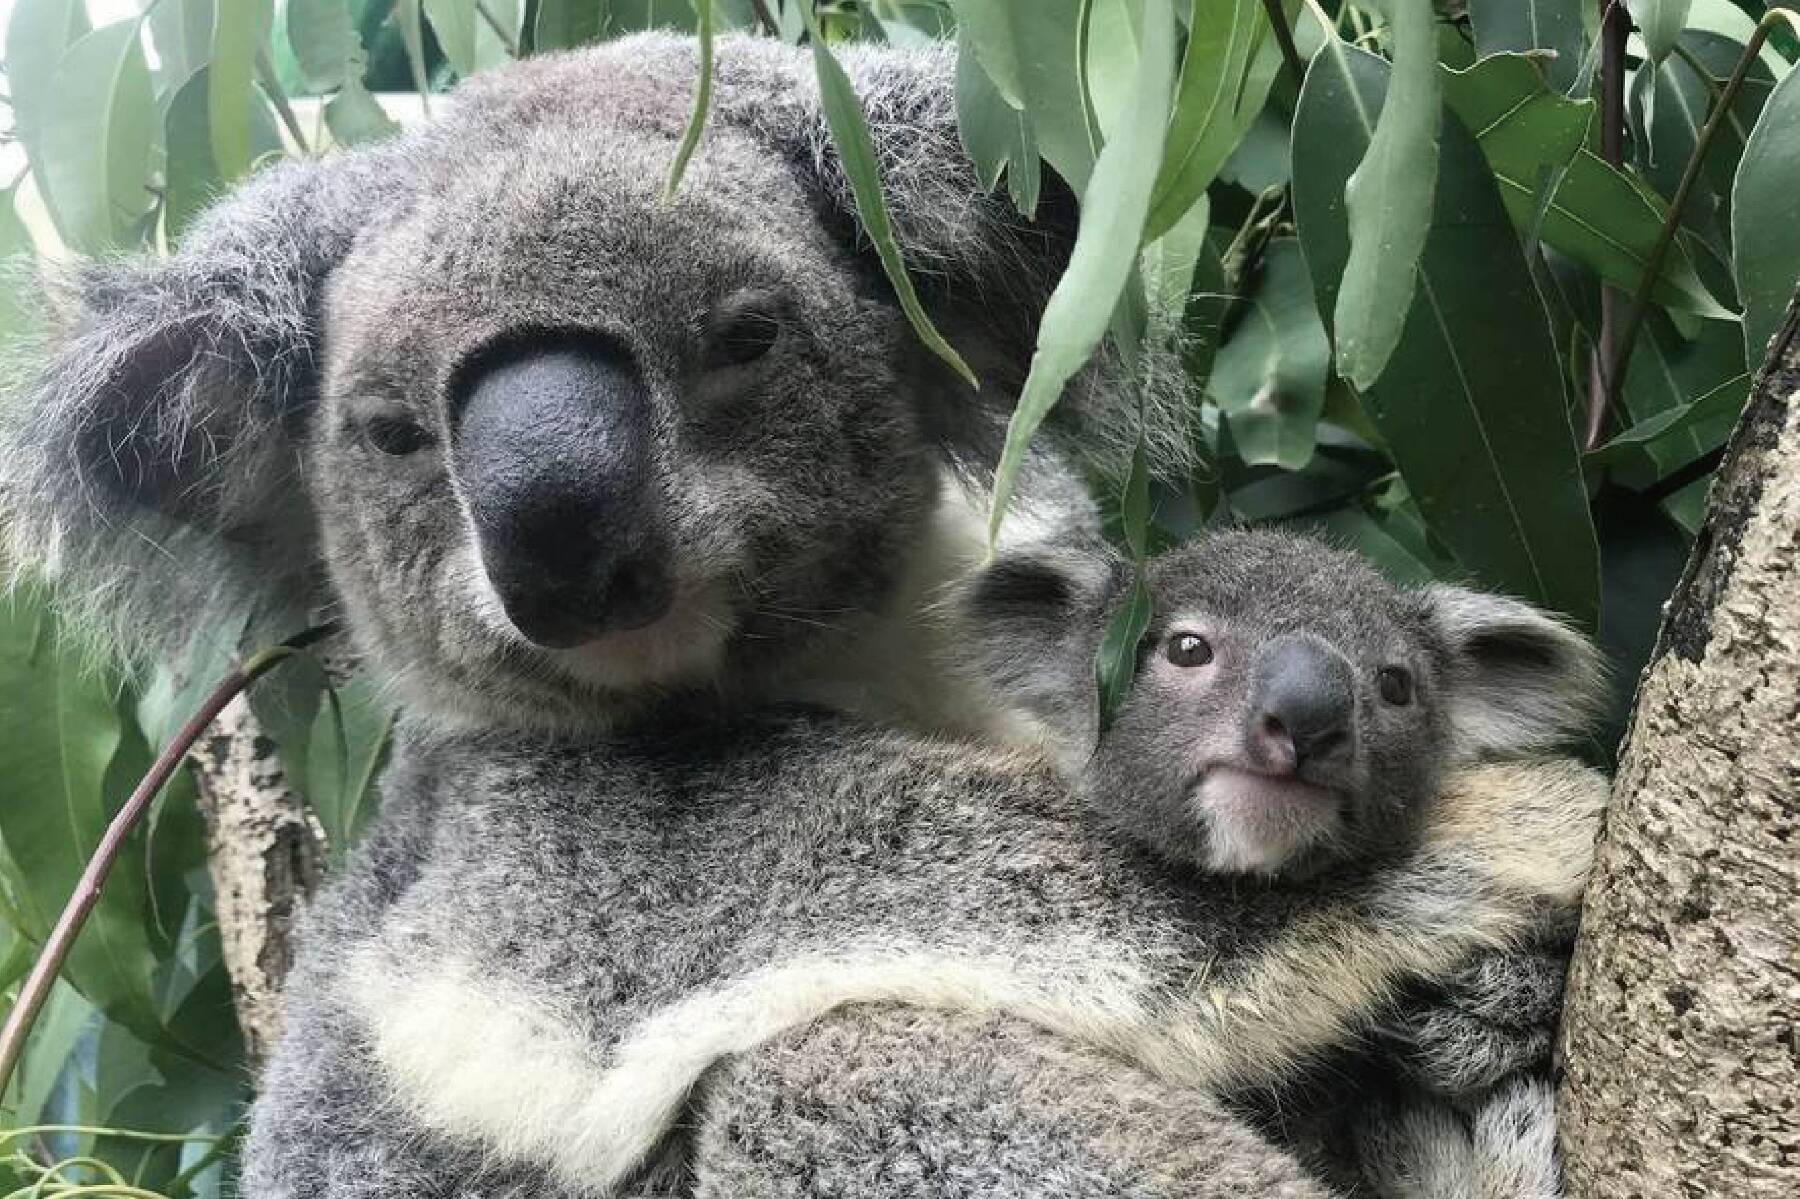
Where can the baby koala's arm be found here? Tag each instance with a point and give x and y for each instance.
(1506, 852)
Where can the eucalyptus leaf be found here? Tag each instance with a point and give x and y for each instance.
(1388, 198)
(1726, 19)
(1764, 251)
(411, 20)
(1170, 266)
(64, 1018)
(1522, 124)
(996, 136)
(1684, 100)
(1117, 661)
(1114, 208)
(1667, 371)
(37, 34)
(239, 30)
(1269, 378)
(1472, 406)
(1031, 51)
(355, 116)
(1551, 25)
(1659, 22)
(1356, 529)
(1599, 214)
(182, 32)
(194, 178)
(499, 25)
(1226, 71)
(565, 24)
(453, 21)
(64, 733)
(345, 753)
(1722, 404)
(324, 41)
(856, 152)
(99, 138)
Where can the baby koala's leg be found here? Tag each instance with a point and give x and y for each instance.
(885, 1102)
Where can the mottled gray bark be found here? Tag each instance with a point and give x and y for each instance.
(265, 855)
(1679, 1042)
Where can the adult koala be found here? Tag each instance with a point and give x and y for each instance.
(630, 446)
(592, 475)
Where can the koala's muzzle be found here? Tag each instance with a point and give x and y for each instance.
(553, 452)
(1303, 704)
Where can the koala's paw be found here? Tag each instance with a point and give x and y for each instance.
(1490, 1021)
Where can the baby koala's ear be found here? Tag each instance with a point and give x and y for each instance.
(1034, 617)
(1518, 680)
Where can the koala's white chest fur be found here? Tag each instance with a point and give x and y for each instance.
(904, 666)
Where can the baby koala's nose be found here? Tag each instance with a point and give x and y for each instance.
(1303, 705)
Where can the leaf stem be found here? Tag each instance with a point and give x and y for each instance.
(74, 915)
(1615, 30)
(765, 18)
(1665, 237)
(1284, 37)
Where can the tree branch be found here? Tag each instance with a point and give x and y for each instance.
(1665, 237)
(87, 891)
(1615, 29)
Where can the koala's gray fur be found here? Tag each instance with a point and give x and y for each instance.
(627, 919)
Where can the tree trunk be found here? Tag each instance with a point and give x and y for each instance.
(265, 855)
(1679, 1042)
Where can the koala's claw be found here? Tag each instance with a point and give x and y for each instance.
(1493, 1019)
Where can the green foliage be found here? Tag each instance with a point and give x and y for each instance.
(1388, 195)
(1400, 362)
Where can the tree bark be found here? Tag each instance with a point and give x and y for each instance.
(1680, 1052)
(265, 855)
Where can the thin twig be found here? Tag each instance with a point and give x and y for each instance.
(87, 891)
(271, 85)
(1665, 237)
(1714, 86)
(1615, 29)
(500, 31)
(1284, 37)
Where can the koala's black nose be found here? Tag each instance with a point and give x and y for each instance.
(1303, 705)
(553, 453)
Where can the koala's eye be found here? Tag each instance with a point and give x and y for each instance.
(744, 329)
(1395, 684)
(1189, 649)
(396, 436)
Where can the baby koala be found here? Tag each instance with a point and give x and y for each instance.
(1291, 709)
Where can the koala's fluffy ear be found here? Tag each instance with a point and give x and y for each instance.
(151, 467)
(1518, 680)
(1034, 619)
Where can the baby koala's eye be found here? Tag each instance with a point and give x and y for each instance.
(396, 436)
(1189, 649)
(1395, 684)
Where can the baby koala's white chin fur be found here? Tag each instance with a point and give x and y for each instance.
(1260, 823)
